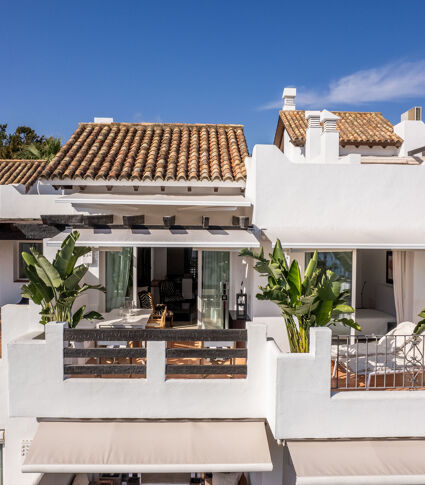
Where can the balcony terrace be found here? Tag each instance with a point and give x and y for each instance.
(180, 378)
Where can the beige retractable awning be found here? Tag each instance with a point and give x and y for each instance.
(341, 238)
(174, 237)
(393, 461)
(149, 447)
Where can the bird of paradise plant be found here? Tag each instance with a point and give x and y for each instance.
(314, 301)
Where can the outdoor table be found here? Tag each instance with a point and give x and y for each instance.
(114, 320)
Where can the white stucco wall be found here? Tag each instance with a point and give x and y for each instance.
(10, 290)
(15, 204)
(23, 319)
(306, 408)
(37, 387)
(413, 134)
(330, 197)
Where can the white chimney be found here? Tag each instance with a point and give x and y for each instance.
(413, 114)
(103, 120)
(288, 97)
(313, 134)
(411, 130)
(329, 139)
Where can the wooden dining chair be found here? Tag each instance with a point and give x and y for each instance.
(158, 321)
(146, 301)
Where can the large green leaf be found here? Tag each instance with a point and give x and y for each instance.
(323, 315)
(46, 292)
(64, 255)
(79, 251)
(32, 292)
(93, 316)
(294, 278)
(311, 267)
(278, 254)
(420, 327)
(349, 322)
(28, 258)
(78, 315)
(46, 271)
(75, 277)
(344, 308)
(328, 289)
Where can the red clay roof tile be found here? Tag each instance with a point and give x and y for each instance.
(152, 152)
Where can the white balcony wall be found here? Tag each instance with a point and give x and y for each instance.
(306, 408)
(37, 387)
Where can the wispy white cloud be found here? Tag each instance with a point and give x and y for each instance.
(391, 82)
(137, 117)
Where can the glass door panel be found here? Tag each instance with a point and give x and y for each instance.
(215, 289)
(341, 263)
(118, 277)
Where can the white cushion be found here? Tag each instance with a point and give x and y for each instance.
(226, 478)
(81, 479)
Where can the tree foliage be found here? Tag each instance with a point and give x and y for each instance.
(25, 143)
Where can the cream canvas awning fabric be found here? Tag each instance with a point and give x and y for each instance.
(178, 237)
(394, 461)
(348, 239)
(149, 447)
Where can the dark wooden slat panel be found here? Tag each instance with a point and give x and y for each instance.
(105, 369)
(115, 334)
(208, 353)
(207, 369)
(117, 353)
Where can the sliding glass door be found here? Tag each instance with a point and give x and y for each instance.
(215, 289)
(118, 275)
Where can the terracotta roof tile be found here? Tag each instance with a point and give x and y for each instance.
(355, 128)
(25, 172)
(152, 152)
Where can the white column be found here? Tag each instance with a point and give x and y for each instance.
(135, 276)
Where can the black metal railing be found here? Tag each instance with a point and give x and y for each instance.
(378, 362)
(123, 352)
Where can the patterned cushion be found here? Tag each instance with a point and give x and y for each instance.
(145, 300)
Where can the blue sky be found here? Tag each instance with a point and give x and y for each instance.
(191, 61)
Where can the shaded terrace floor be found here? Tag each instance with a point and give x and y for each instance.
(392, 382)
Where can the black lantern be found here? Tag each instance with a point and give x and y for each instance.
(241, 304)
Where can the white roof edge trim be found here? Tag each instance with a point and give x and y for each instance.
(198, 245)
(153, 201)
(147, 183)
(366, 480)
(174, 468)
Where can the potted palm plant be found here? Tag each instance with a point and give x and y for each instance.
(56, 286)
(314, 301)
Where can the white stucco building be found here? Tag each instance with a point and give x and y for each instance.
(166, 209)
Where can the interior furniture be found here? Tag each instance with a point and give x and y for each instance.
(171, 295)
(146, 301)
(156, 321)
